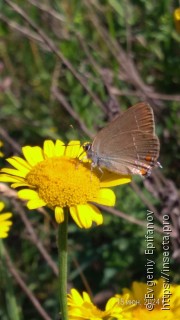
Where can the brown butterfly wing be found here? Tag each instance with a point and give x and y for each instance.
(137, 153)
(128, 144)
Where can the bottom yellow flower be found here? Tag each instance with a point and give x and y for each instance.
(132, 304)
(81, 307)
(163, 302)
(5, 223)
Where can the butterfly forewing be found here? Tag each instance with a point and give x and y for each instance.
(128, 144)
(139, 117)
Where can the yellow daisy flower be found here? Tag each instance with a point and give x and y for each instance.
(1, 153)
(164, 304)
(59, 176)
(177, 19)
(5, 223)
(81, 308)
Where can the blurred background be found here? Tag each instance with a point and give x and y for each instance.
(67, 68)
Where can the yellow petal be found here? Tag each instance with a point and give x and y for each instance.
(105, 197)
(33, 155)
(3, 234)
(76, 297)
(8, 178)
(1, 206)
(28, 194)
(49, 149)
(110, 179)
(59, 214)
(5, 216)
(84, 215)
(5, 225)
(95, 213)
(19, 163)
(111, 303)
(33, 197)
(36, 203)
(59, 148)
(19, 184)
(72, 149)
(75, 216)
(15, 172)
(86, 297)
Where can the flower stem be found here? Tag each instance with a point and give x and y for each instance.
(62, 247)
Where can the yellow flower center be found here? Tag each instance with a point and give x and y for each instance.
(63, 181)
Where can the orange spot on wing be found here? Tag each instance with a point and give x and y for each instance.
(148, 158)
(143, 172)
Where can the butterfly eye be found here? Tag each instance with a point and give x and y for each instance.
(87, 147)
